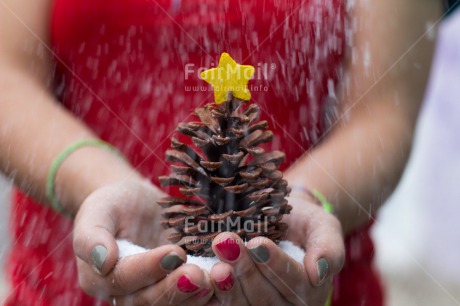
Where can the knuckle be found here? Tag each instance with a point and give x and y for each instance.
(117, 301)
(339, 261)
(86, 283)
(168, 299)
(264, 300)
(78, 242)
(247, 272)
(293, 297)
(141, 299)
(336, 258)
(335, 222)
(119, 281)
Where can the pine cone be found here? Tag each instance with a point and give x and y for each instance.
(231, 185)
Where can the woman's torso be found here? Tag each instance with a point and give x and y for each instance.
(129, 69)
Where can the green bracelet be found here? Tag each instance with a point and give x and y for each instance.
(324, 202)
(329, 297)
(50, 186)
(318, 197)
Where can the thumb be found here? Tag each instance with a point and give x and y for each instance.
(325, 249)
(94, 236)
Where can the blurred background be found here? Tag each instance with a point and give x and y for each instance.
(417, 236)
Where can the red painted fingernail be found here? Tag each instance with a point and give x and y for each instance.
(185, 284)
(203, 293)
(229, 249)
(226, 284)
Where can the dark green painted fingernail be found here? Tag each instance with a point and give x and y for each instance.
(99, 255)
(171, 262)
(260, 254)
(323, 268)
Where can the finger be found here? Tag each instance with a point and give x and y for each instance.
(187, 283)
(213, 302)
(93, 236)
(133, 272)
(286, 274)
(230, 249)
(325, 250)
(227, 288)
(203, 296)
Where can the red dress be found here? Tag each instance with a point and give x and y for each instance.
(129, 69)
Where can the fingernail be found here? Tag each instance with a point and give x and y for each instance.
(185, 285)
(260, 254)
(99, 255)
(171, 262)
(226, 284)
(229, 249)
(323, 268)
(203, 293)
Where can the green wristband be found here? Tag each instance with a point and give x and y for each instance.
(329, 297)
(319, 198)
(50, 186)
(324, 202)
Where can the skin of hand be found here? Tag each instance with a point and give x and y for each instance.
(128, 210)
(261, 273)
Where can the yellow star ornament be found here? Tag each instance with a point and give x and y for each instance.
(229, 77)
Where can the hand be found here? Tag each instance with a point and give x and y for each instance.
(128, 210)
(262, 274)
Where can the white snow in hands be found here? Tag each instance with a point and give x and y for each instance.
(126, 248)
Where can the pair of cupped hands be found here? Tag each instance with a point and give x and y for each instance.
(258, 273)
